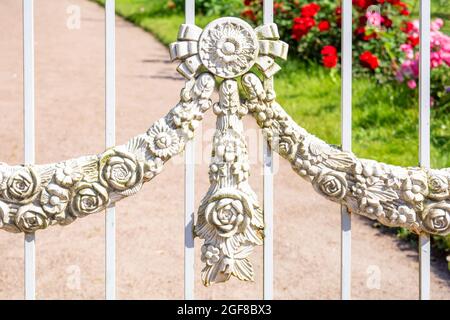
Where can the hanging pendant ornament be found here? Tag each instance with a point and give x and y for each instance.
(230, 218)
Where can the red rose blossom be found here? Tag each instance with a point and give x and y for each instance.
(310, 10)
(386, 21)
(368, 60)
(404, 12)
(249, 14)
(323, 25)
(328, 51)
(412, 40)
(363, 4)
(329, 61)
(407, 27)
(301, 27)
(247, 2)
(361, 32)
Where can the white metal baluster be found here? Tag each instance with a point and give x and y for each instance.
(29, 135)
(424, 139)
(346, 140)
(110, 137)
(268, 187)
(189, 193)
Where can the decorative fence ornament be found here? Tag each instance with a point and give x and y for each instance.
(230, 219)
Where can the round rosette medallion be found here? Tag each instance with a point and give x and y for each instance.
(228, 47)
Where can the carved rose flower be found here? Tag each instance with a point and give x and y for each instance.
(54, 199)
(229, 211)
(436, 217)
(30, 218)
(66, 175)
(163, 141)
(120, 170)
(88, 198)
(22, 185)
(438, 186)
(210, 254)
(332, 185)
(227, 215)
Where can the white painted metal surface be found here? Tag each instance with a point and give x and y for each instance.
(424, 134)
(110, 141)
(346, 140)
(189, 192)
(268, 187)
(29, 135)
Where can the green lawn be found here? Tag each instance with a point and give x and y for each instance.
(385, 118)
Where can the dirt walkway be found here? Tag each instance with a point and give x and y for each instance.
(70, 122)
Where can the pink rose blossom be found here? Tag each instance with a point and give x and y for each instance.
(439, 55)
(374, 19)
(412, 84)
(437, 24)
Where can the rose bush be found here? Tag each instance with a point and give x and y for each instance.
(385, 40)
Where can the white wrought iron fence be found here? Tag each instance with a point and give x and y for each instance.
(346, 138)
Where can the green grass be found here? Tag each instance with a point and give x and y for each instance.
(385, 117)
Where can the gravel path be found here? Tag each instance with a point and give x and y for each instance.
(70, 122)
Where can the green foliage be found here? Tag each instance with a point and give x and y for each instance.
(212, 7)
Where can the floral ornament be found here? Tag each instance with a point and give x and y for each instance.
(121, 171)
(228, 148)
(22, 185)
(371, 208)
(227, 215)
(312, 151)
(195, 100)
(54, 199)
(228, 47)
(88, 198)
(404, 216)
(216, 171)
(286, 142)
(210, 254)
(67, 174)
(436, 217)
(163, 141)
(415, 188)
(332, 185)
(229, 212)
(4, 215)
(438, 185)
(229, 101)
(152, 167)
(240, 170)
(30, 218)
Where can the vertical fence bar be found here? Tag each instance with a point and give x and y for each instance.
(424, 135)
(110, 137)
(29, 135)
(268, 186)
(189, 193)
(346, 140)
